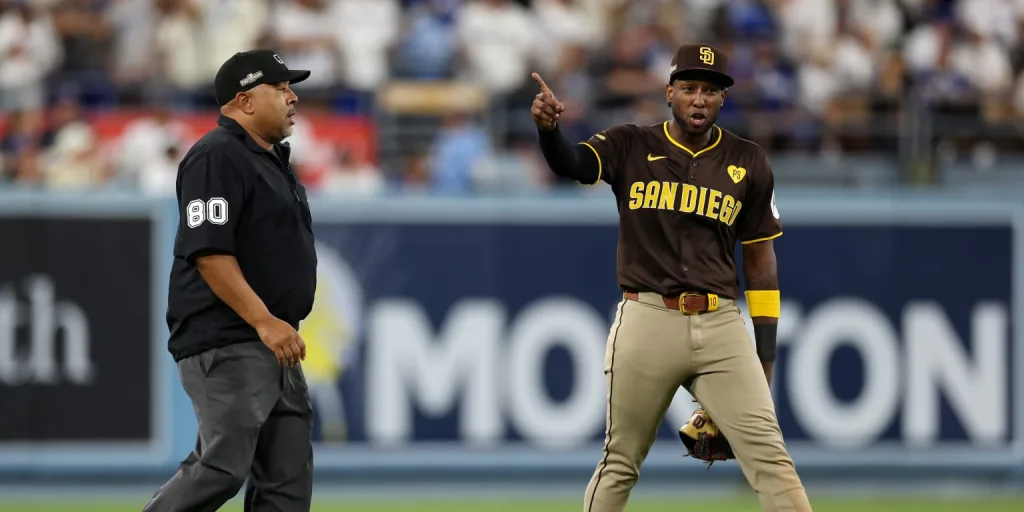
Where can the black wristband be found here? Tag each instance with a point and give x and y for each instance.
(765, 338)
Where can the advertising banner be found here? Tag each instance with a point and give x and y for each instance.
(76, 330)
(896, 340)
(471, 335)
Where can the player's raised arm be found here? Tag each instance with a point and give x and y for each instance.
(565, 158)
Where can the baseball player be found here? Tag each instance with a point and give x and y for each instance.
(686, 191)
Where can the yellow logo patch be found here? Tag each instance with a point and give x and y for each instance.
(652, 158)
(707, 56)
(737, 173)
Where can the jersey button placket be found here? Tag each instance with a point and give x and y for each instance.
(686, 234)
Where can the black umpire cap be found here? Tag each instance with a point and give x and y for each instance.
(700, 62)
(245, 70)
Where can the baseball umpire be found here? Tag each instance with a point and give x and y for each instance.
(243, 277)
(686, 191)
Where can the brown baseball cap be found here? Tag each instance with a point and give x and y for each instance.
(700, 62)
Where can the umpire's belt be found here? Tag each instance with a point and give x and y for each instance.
(687, 303)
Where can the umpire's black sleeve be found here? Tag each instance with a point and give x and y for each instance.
(210, 195)
(570, 160)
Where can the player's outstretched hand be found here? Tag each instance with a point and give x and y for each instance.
(546, 108)
(283, 340)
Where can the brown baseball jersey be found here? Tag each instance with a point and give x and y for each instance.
(681, 212)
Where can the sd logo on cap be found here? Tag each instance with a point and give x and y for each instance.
(700, 62)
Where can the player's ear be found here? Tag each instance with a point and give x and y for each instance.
(668, 94)
(244, 102)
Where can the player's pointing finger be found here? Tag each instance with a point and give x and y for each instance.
(540, 83)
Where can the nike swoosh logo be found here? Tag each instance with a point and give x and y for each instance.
(652, 158)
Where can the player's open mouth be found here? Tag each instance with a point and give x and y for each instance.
(698, 119)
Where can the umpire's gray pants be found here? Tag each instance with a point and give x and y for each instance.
(255, 422)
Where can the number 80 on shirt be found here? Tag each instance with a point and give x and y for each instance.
(214, 210)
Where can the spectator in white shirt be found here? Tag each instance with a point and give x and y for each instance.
(366, 32)
(179, 46)
(308, 38)
(133, 22)
(75, 160)
(229, 27)
(972, 55)
(146, 150)
(29, 51)
(879, 22)
(991, 19)
(806, 26)
(565, 24)
(158, 176)
(984, 62)
(836, 81)
(499, 42)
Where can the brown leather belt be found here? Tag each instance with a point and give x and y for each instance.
(688, 303)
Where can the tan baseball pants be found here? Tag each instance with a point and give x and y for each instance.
(652, 350)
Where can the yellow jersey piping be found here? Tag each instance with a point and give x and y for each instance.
(600, 166)
(684, 148)
(765, 239)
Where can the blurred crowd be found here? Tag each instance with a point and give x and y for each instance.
(447, 82)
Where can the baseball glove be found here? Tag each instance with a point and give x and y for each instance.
(703, 440)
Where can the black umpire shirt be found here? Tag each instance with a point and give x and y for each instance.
(234, 197)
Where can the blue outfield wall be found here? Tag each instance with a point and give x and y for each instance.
(468, 335)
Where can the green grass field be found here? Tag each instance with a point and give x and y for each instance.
(822, 505)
